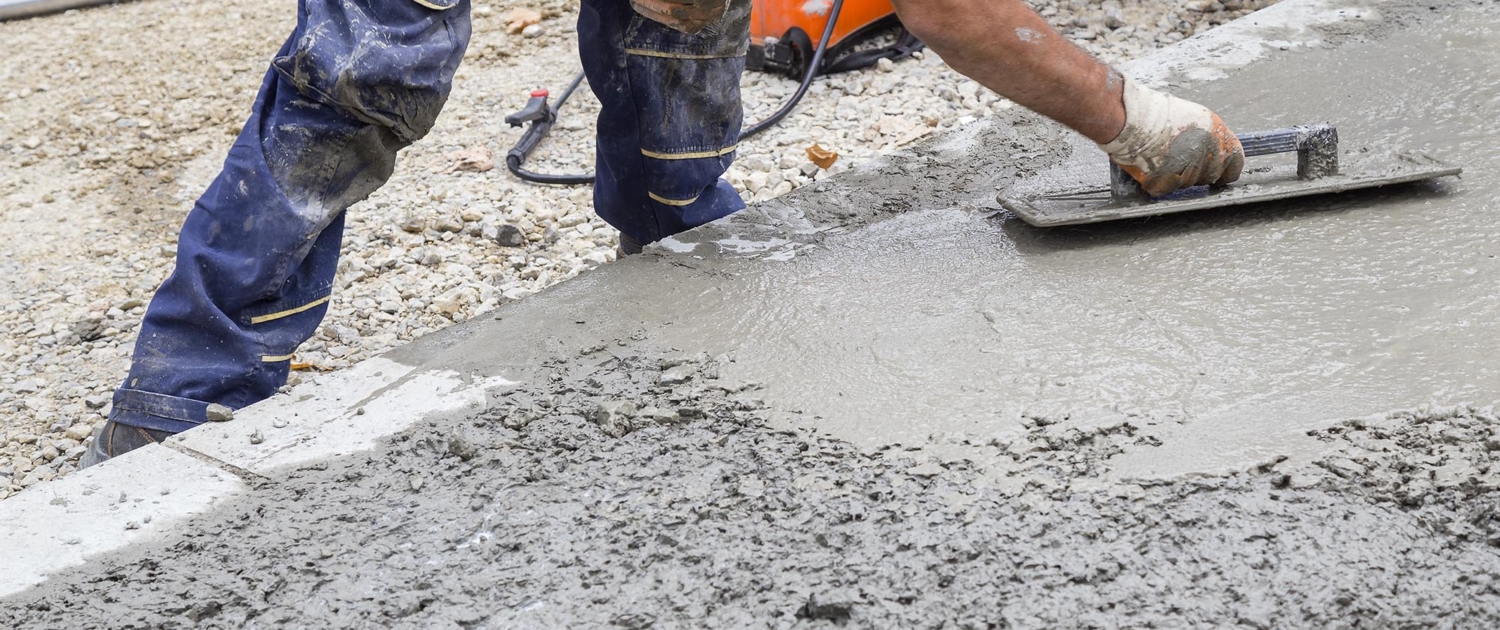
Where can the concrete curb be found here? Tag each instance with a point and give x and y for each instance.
(336, 415)
(58, 525)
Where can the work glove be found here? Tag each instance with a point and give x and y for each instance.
(1169, 143)
(688, 16)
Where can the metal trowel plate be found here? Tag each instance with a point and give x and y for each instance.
(1093, 203)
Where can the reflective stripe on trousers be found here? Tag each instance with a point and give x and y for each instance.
(355, 82)
(669, 120)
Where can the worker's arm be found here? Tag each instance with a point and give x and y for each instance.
(1165, 142)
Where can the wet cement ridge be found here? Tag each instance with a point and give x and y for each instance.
(700, 515)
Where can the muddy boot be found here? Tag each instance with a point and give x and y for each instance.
(116, 439)
(628, 246)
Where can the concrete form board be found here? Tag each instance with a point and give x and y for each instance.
(337, 414)
(136, 497)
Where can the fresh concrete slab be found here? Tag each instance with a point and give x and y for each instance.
(137, 497)
(898, 306)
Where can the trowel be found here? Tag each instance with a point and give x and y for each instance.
(1318, 171)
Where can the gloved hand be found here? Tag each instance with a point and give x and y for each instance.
(1169, 143)
(688, 16)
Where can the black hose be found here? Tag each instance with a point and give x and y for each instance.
(538, 130)
(807, 78)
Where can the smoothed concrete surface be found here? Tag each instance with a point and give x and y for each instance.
(891, 307)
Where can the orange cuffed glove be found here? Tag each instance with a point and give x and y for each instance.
(688, 16)
(1169, 143)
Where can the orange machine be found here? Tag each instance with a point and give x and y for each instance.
(782, 35)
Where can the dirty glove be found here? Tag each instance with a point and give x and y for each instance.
(1169, 143)
(688, 16)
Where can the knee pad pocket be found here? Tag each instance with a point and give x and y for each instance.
(687, 87)
(729, 37)
(385, 62)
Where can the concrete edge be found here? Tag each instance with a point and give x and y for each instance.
(34, 8)
(337, 414)
(1213, 55)
(63, 523)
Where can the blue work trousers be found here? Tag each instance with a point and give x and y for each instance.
(357, 81)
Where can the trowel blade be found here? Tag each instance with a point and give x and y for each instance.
(1093, 203)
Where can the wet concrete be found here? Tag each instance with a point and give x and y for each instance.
(1244, 327)
(705, 436)
(900, 306)
(556, 509)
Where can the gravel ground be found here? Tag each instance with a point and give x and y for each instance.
(121, 114)
(571, 507)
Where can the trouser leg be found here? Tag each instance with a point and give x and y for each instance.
(356, 82)
(670, 118)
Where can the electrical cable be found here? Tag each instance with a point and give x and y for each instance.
(538, 129)
(807, 78)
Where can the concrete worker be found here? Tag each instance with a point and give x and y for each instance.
(358, 80)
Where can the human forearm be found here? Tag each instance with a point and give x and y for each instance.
(1008, 48)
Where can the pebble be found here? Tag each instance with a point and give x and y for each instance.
(614, 417)
(925, 470)
(678, 374)
(219, 413)
(752, 487)
(509, 235)
(835, 605)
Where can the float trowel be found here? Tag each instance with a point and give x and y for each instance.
(1319, 170)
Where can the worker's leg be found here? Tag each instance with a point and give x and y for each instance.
(670, 119)
(356, 82)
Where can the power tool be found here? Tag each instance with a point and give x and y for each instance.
(781, 35)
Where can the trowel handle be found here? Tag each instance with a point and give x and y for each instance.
(1317, 147)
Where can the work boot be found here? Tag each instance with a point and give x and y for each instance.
(115, 439)
(628, 246)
